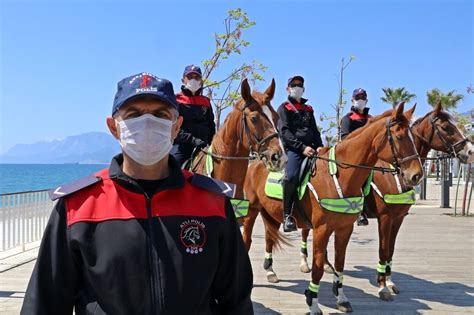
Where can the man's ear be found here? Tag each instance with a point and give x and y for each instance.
(176, 127)
(113, 127)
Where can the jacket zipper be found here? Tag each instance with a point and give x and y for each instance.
(154, 265)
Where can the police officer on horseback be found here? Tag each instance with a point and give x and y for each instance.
(301, 139)
(198, 127)
(355, 119)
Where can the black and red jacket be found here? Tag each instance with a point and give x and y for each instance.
(109, 248)
(297, 126)
(353, 120)
(198, 119)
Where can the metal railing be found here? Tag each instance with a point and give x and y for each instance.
(23, 218)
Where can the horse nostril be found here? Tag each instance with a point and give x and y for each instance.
(415, 178)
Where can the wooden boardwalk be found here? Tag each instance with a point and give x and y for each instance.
(434, 268)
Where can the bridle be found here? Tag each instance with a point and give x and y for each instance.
(397, 162)
(250, 136)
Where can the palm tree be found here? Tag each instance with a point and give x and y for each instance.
(396, 96)
(448, 100)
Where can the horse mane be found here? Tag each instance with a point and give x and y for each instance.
(375, 119)
(442, 115)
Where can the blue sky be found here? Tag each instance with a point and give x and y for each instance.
(60, 60)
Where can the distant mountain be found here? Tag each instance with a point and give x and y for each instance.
(88, 148)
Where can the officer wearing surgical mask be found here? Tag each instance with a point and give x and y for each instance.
(355, 119)
(301, 139)
(198, 127)
(142, 236)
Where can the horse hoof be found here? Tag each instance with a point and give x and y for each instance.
(394, 289)
(272, 278)
(305, 268)
(385, 295)
(328, 269)
(344, 307)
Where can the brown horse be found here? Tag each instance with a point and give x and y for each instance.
(436, 130)
(385, 137)
(248, 128)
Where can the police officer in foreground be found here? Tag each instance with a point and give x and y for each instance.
(142, 237)
(198, 127)
(355, 119)
(301, 139)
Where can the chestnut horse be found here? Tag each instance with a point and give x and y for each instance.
(385, 137)
(436, 130)
(248, 128)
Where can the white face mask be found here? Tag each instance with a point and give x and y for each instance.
(193, 85)
(296, 92)
(360, 104)
(146, 139)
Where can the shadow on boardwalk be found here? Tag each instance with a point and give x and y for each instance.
(409, 301)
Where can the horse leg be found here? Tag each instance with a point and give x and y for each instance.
(341, 239)
(247, 225)
(395, 228)
(320, 241)
(385, 229)
(271, 229)
(304, 267)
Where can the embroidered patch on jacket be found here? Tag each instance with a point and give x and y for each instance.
(193, 236)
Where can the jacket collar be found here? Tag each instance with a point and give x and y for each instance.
(293, 101)
(174, 180)
(366, 110)
(187, 92)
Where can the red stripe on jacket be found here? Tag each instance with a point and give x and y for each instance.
(297, 106)
(359, 116)
(193, 100)
(107, 200)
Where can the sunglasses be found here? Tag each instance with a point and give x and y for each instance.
(360, 97)
(296, 85)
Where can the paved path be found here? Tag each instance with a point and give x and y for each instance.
(434, 267)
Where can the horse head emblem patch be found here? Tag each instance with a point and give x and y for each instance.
(193, 236)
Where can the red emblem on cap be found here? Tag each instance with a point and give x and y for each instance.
(145, 80)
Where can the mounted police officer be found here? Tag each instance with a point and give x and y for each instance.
(198, 127)
(355, 119)
(144, 236)
(301, 139)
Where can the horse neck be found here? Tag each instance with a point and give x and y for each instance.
(227, 142)
(356, 151)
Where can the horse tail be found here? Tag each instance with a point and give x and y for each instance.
(272, 231)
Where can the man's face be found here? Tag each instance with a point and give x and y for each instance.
(294, 83)
(190, 76)
(144, 106)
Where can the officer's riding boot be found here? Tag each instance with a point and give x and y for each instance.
(362, 219)
(289, 189)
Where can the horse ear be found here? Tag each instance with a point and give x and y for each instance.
(438, 109)
(245, 91)
(409, 113)
(397, 114)
(270, 91)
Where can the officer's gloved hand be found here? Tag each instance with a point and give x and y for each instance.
(199, 144)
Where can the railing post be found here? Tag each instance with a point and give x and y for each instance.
(444, 184)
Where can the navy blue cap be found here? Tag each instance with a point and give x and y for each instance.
(359, 91)
(144, 84)
(192, 69)
(295, 77)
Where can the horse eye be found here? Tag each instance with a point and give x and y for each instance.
(253, 119)
(399, 138)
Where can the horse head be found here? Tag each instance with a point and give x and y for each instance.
(439, 131)
(258, 129)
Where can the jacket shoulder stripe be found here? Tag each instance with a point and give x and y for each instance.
(213, 185)
(74, 186)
